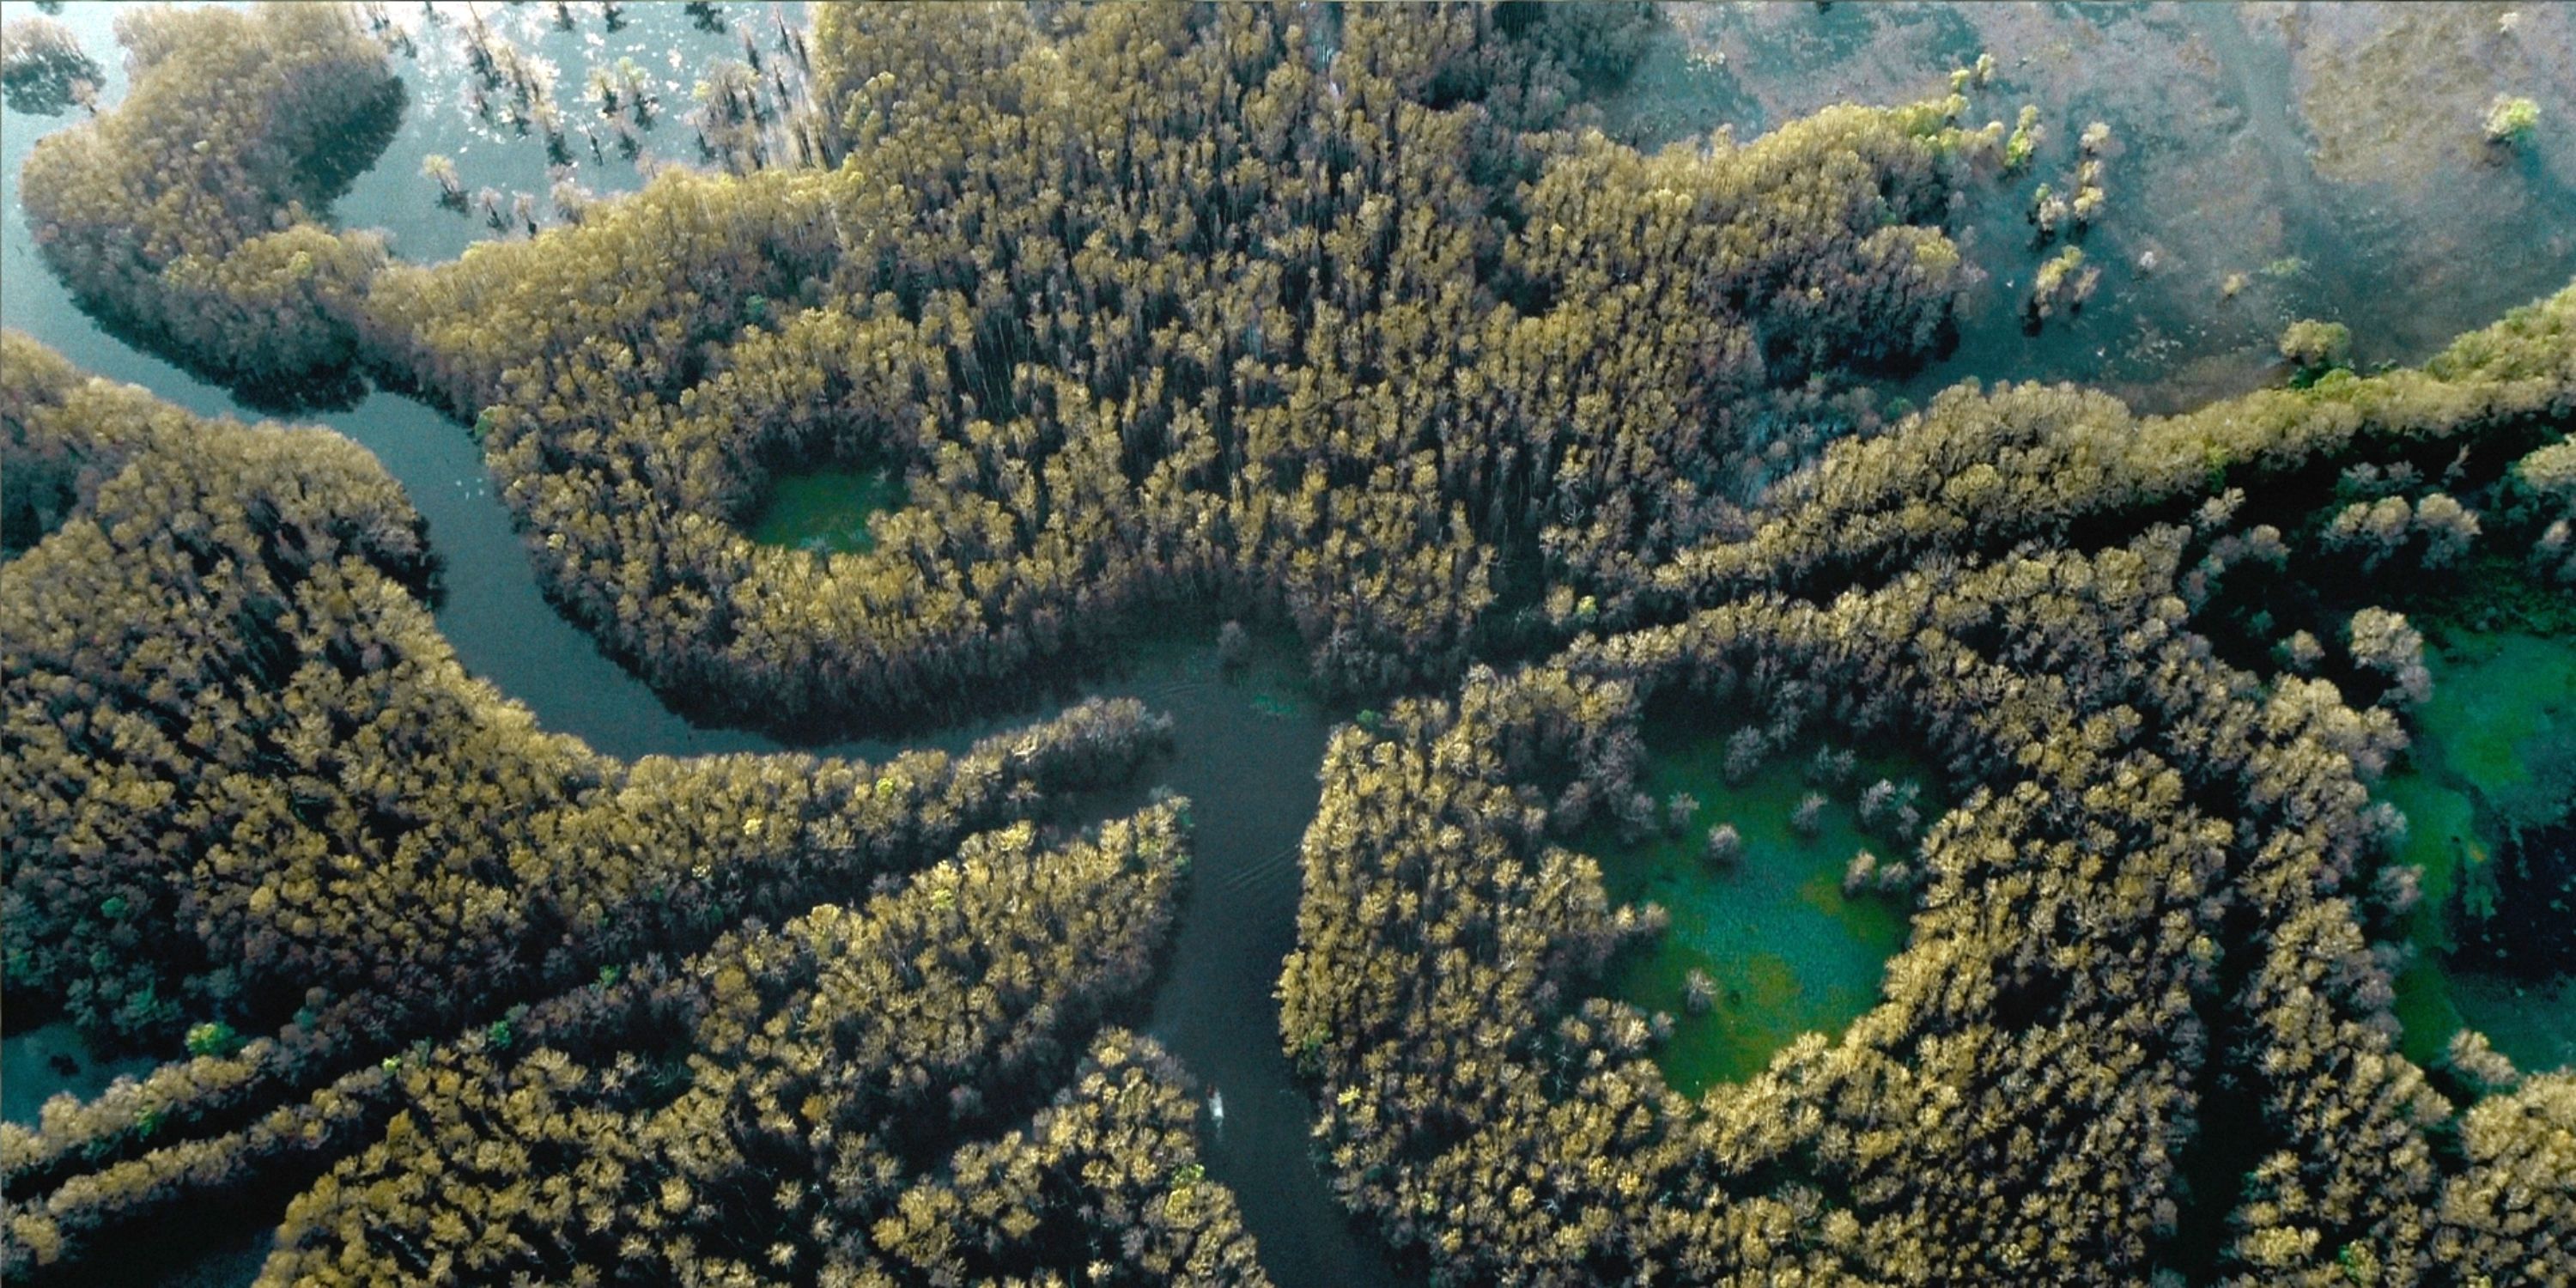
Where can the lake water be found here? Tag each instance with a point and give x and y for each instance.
(824, 511)
(2498, 699)
(1786, 950)
(2335, 236)
(1247, 745)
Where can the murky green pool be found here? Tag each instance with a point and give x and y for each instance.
(1787, 952)
(2499, 701)
(825, 511)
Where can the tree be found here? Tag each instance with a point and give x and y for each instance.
(192, 210)
(2311, 346)
(2512, 121)
(43, 69)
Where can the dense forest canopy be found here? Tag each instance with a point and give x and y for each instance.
(251, 792)
(1348, 319)
(191, 211)
(1100, 335)
(2156, 894)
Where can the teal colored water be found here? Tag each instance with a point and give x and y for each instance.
(47, 1061)
(2499, 701)
(825, 511)
(1786, 951)
(1247, 739)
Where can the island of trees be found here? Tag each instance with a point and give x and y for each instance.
(2152, 911)
(1333, 317)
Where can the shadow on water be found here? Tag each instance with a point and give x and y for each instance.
(1247, 746)
(46, 1060)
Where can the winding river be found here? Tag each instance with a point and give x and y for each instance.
(1247, 744)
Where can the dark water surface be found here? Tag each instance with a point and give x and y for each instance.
(1247, 748)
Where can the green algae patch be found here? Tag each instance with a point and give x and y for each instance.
(2439, 819)
(825, 511)
(2484, 769)
(1783, 949)
(2507, 695)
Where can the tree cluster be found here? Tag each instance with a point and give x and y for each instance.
(1299, 317)
(1222, 332)
(2149, 915)
(191, 213)
(246, 782)
(1110, 1166)
(786, 1109)
(1979, 470)
(2548, 482)
(1337, 316)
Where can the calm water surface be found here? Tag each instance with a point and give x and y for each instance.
(2500, 702)
(1785, 949)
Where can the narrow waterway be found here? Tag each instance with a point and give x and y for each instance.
(1247, 746)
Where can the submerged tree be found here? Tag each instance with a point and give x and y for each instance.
(43, 69)
(2147, 908)
(1337, 316)
(1216, 336)
(2512, 121)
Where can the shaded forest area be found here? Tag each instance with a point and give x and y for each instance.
(1346, 318)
